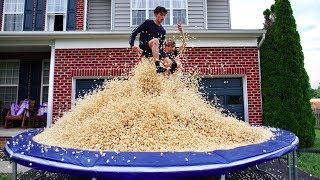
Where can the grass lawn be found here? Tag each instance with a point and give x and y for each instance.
(5, 176)
(309, 162)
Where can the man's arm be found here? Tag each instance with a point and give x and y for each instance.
(136, 31)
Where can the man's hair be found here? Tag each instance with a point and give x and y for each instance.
(160, 9)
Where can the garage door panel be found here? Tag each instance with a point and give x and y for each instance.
(213, 83)
(84, 86)
(234, 82)
(226, 93)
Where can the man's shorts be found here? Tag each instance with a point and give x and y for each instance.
(147, 52)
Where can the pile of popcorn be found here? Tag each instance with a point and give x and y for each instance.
(149, 112)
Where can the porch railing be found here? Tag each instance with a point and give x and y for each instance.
(316, 113)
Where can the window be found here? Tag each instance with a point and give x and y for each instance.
(13, 15)
(45, 80)
(56, 15)
(9, 82)
(143, 9)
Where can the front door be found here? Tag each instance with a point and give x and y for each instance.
(30, 80)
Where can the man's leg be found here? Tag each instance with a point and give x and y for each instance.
(154, 46)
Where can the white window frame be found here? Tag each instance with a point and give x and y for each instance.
(13, 85)
(4, 14)
(42, 76)
(170, 11)
(53, 14)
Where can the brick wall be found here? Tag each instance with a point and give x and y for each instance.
(79, 15)
(111, 62)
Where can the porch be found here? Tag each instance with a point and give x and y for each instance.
(24, 74)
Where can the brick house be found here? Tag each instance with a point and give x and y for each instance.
(51, 51)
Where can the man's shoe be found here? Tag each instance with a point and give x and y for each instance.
(161, 69)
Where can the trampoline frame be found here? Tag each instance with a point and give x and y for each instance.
(217, 167)
(292, 168)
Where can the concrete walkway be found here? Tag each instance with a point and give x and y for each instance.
(6, 167)
(12, 131)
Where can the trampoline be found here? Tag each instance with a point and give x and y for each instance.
(146, 165)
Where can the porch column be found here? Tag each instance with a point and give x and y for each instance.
(51, 84)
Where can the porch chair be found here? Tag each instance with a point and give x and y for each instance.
(29, 111)
(11, 118)
(39, 118)
(23, 117)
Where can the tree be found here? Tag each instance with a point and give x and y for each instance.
(318, 91)
(313, 93)
(284, 81)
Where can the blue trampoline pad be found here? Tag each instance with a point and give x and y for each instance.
(145, 165)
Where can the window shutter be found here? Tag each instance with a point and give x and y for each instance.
(28, 15)
(71, 15)
(39, 21)
(1, 13)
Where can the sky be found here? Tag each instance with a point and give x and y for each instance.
(248, 14)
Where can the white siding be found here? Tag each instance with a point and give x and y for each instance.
(99, 15)
(218, 14)
(122, 15)
(196, 14)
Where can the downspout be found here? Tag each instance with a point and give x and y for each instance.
(205, 12)
(85, 3)
(259, 46)
(51, 84)
(262, 40)
(113, 14)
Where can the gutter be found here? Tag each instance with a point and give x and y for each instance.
(52, 35)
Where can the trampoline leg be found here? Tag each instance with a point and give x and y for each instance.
(295, 165)
(289, 166)
(14, 170)
(223, 177)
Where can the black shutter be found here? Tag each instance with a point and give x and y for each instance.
(28, 15)
(39, 19)
(1, 13)
(71, 15)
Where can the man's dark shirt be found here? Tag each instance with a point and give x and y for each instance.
(148, 30)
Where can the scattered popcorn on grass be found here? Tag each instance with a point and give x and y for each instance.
(149, 112)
